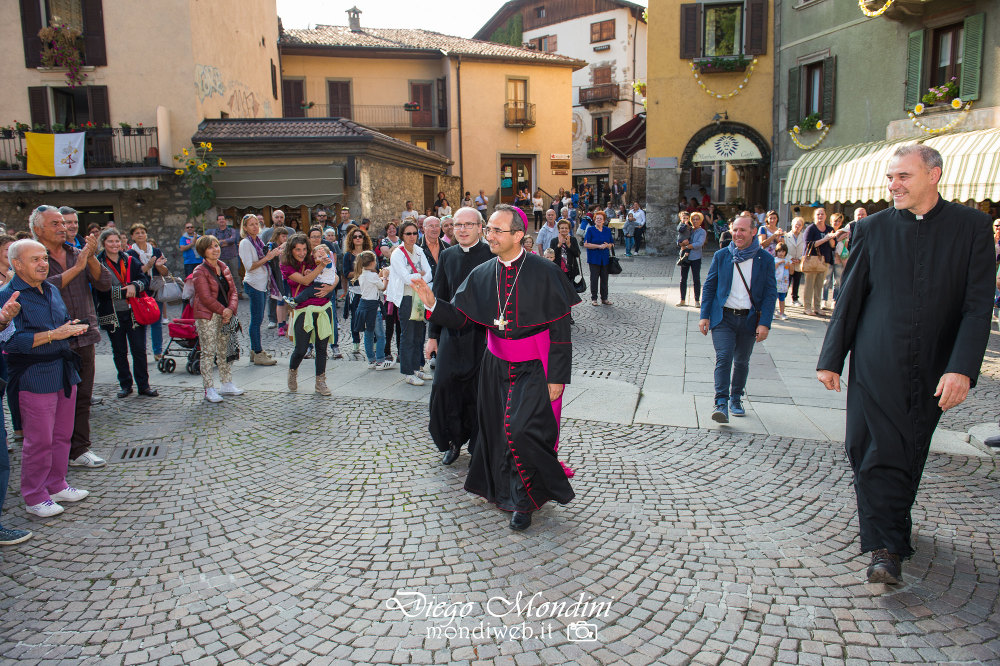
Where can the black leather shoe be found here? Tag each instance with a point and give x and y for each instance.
(151, 392)
(451, 455)
(125, 392)
(521, 520)
(885, 568)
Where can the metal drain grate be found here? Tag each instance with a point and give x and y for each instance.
(127, 454)
(603, 374)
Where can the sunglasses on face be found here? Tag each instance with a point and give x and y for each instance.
(410, 233)
(358, 236)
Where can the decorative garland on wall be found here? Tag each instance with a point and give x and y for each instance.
(919, 108)
(878, 12)
(735, 91)
(794, 133)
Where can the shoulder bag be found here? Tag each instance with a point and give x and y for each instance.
(812, 263)
(614, 266)
(747, 287)
(579, 284)
(145, 311)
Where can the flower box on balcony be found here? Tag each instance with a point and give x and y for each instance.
(411, 106)
(722, 64)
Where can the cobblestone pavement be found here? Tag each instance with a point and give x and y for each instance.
(312, 540)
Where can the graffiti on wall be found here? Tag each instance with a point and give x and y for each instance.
(241, 101)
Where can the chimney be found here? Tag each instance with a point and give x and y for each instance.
(354, 19)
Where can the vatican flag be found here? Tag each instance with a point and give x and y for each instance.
(57, 155)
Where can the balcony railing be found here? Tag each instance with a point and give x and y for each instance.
(379, 116)
(605, 92)
(116, 148)
(518, 114)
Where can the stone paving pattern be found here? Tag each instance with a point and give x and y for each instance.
(286, 545)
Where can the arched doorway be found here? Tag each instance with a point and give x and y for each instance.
(731, 162)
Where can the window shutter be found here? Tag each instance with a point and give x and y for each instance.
(31, 23)
(829, 88)
(914, 68)
(274, 80)
(972, 57)
(756, 27)
(291, 99)
(95, 53)
(690, 31)
(100, 111)
(552, 44)
(38, 104)
(794, 89)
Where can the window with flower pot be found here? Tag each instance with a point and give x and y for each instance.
(721, 30)
(84, 16)
(811, 92)
(945, 62)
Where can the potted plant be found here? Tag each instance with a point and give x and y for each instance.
(411, 106)
(719, 64)
(7, 132)
(61, 47)
(23, 159)
(139, 130)
(126, 128)
(21, 128)
(940, 98)
(58, 128)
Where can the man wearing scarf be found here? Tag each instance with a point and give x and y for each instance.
(737, 305)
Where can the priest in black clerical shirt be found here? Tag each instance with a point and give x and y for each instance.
(453, 419)
(524, 303)
(914, 312)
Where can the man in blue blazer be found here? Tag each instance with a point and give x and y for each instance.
(737, 304)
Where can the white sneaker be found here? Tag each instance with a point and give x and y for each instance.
(797, 304)
(229, 388)
(46, 509)
(88, 459)
(413, 379)
(272, 324)
(70, 494)
(383, 365)
(782, 316)
(371, 365)
(424, 375)
(212, 395)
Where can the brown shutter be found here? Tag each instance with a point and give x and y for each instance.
(101, 152)
(794, 88)
(274, 80)
(829, 88)
(31, 23)
(552, 44)
(756, 27)
(339, 99)
(95, 53)
(292, 98)
(100, 111)
(690, 31)
(38, 103)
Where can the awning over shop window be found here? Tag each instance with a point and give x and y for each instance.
(857, 172)
(294, 185)
(107, 184)
(628, 139)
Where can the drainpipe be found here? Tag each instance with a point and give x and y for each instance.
(461, 157)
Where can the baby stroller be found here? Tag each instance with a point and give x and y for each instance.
(183, 340)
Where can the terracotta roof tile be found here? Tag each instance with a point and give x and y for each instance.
(406, 39)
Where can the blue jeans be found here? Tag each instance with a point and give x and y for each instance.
(156, 331)
(411, 339)
(4, 466)
(258, 301)
(352, 304)
(374, 335)
(629, 244)
(733, 340)
(694, 267)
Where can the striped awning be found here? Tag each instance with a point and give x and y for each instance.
(83, 184)
(857, 172)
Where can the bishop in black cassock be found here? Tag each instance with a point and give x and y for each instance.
(915, 306)
(524, 304)
(453, 420)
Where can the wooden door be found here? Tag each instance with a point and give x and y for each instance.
(430, 193)
(293, 98)
(339, 95)
(421, 94)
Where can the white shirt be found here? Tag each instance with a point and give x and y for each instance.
(739, 298)
(256, 278)
(408, 215)
(640, 217)
(545, 236)
(371, 286)
(401, 275)
(537, 204)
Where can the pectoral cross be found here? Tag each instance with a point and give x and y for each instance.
(500, 323)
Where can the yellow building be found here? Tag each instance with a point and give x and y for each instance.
(710, 108)
(500, 114)
(160, 69)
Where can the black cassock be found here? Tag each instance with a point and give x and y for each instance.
(916, 304)
(453, 418)
(514, 463)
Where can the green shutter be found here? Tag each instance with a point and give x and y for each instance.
(972, 57)
(794, 86)
(914, 68)
(829, 88)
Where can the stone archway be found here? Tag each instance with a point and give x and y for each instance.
(753, 169)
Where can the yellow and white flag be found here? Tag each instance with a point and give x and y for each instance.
(55, 154)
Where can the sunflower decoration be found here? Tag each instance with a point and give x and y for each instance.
(956, 103)
(196, 170)
(820, 125)
(796, 129)
(918, 109)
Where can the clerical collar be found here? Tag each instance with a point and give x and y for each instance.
(508, 264)
(929, 214)
(466, 249)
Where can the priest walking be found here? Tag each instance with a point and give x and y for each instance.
(914, 313)
(453, 419)
(524, 302)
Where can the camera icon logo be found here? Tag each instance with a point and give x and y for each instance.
(581, 632)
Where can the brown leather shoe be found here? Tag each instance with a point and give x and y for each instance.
(885, 568)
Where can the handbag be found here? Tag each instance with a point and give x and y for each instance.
(417, 311)
(614, 266)
(812, 263)
(579, 284)
(145, 311)
(232, 331)
(172, 290)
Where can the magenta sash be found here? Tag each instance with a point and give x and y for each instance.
(532, 348)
